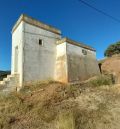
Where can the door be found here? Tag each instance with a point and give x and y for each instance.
(16, 60)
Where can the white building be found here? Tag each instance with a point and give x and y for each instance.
(40, 53)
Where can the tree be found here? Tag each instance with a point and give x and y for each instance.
(112, 49)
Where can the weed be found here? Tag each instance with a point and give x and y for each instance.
(101, 80)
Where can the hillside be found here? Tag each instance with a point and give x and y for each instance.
(111, 65)
(93, 104)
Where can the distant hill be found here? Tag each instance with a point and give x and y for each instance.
(4, 74)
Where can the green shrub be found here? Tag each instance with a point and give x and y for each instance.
(113, 49)
(101, 80)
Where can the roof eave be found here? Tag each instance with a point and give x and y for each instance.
(75, 43)
(36, 23)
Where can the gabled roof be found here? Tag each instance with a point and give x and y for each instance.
(36, 23)
(75, 43)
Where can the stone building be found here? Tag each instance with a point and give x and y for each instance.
(40, 53)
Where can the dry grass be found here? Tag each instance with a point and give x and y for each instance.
(102, 80)
(52, 105)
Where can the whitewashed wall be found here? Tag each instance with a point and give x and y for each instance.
(80, 66)
(39, 61)
(17, 41)
(61, 63)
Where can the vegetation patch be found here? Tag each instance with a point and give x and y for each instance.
(113, 49)
(102, 80)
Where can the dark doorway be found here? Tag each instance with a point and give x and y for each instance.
(100, 67)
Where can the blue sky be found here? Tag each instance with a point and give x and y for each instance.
(76, 21)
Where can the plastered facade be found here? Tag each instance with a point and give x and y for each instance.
(81, 66)
(40, 53)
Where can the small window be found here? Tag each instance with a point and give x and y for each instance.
(40, 42)
(16, 47)
(84, 51)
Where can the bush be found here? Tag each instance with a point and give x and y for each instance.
(113, 49)
(101, 80)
